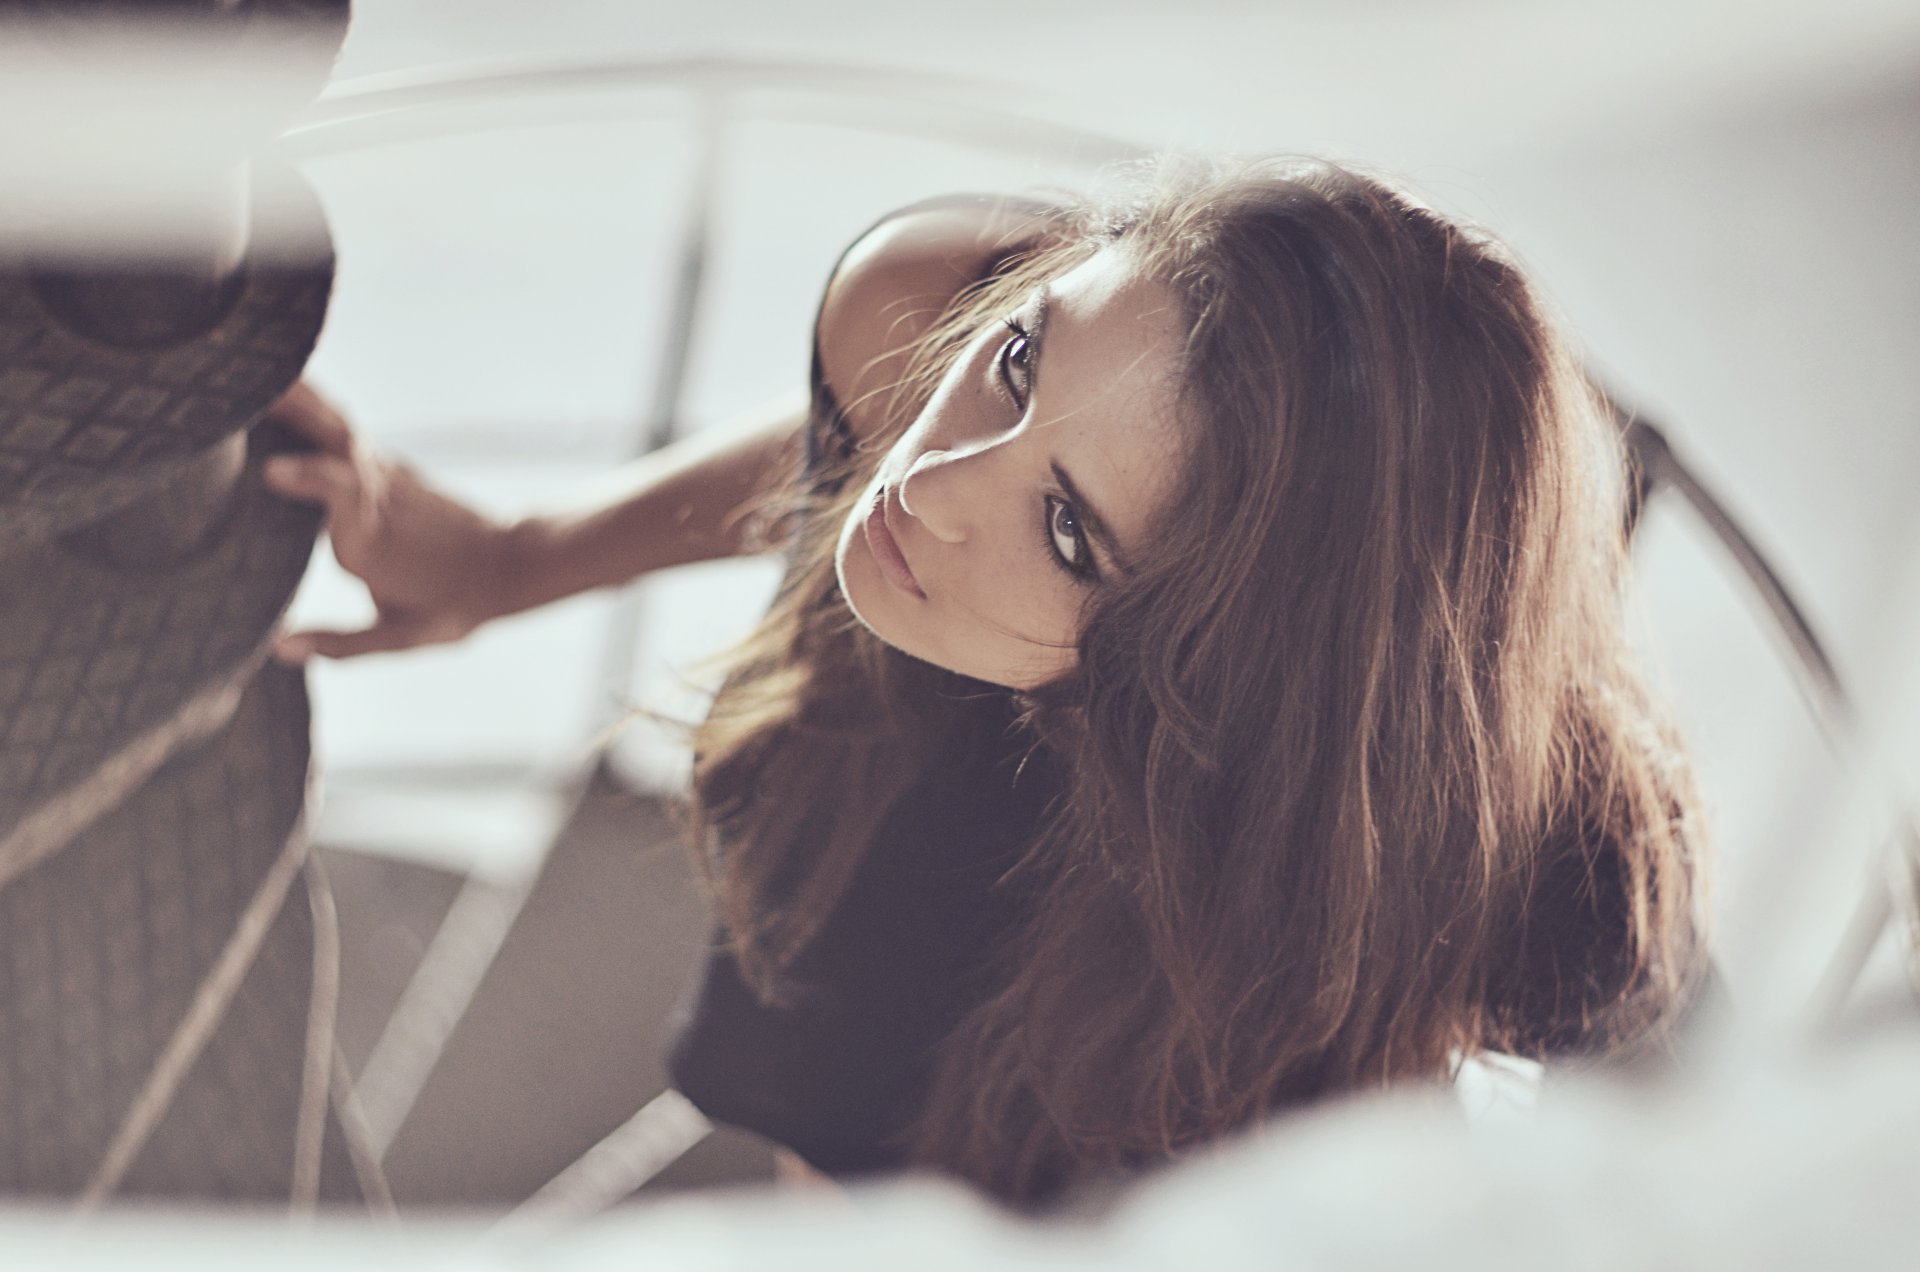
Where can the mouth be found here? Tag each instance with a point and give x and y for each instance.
(886, 549)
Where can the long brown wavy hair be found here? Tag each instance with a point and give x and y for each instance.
(1356, 775)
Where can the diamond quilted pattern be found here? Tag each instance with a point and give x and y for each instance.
(86, 428)
(103, 653)
(103, 946)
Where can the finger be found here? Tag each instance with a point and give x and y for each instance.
(382, 637)
(290, 648)
(315, 478)
(313, 417)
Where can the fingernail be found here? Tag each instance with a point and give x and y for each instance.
(292, 651)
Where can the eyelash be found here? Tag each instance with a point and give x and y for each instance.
(1080, 571)
(1004, 359)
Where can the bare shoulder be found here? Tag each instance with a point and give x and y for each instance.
(897, 278)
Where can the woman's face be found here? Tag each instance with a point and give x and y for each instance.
(1031, 478)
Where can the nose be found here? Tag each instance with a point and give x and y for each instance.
(935, 493)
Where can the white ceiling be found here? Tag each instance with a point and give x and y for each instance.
(1396, 81)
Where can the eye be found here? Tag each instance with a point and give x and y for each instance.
(1065, 540)
(1015, 363)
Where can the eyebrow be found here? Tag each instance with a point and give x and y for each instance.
(1036, 327)
(1040, 299)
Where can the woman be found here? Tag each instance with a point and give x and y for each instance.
(1197, 687)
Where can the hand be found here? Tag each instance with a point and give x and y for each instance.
(433, 565)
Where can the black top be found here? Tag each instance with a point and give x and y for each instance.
(839, 1075)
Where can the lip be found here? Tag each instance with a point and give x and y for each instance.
(886, 549)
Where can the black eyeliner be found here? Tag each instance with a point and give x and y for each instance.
(1086, 573)
(1001, 359)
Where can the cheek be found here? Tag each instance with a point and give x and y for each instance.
(1053, 629)
(1021, 623)
(1017, 635)
(961, 409)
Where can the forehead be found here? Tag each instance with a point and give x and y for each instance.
(1105, 394)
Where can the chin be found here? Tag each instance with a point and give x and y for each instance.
(868, 595)
(863, 591)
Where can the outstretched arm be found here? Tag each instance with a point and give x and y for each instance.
(437, 569)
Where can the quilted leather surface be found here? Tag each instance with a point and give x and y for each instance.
(86, 428)
(103, 944)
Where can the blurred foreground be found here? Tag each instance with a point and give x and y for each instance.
(1786, 1163)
